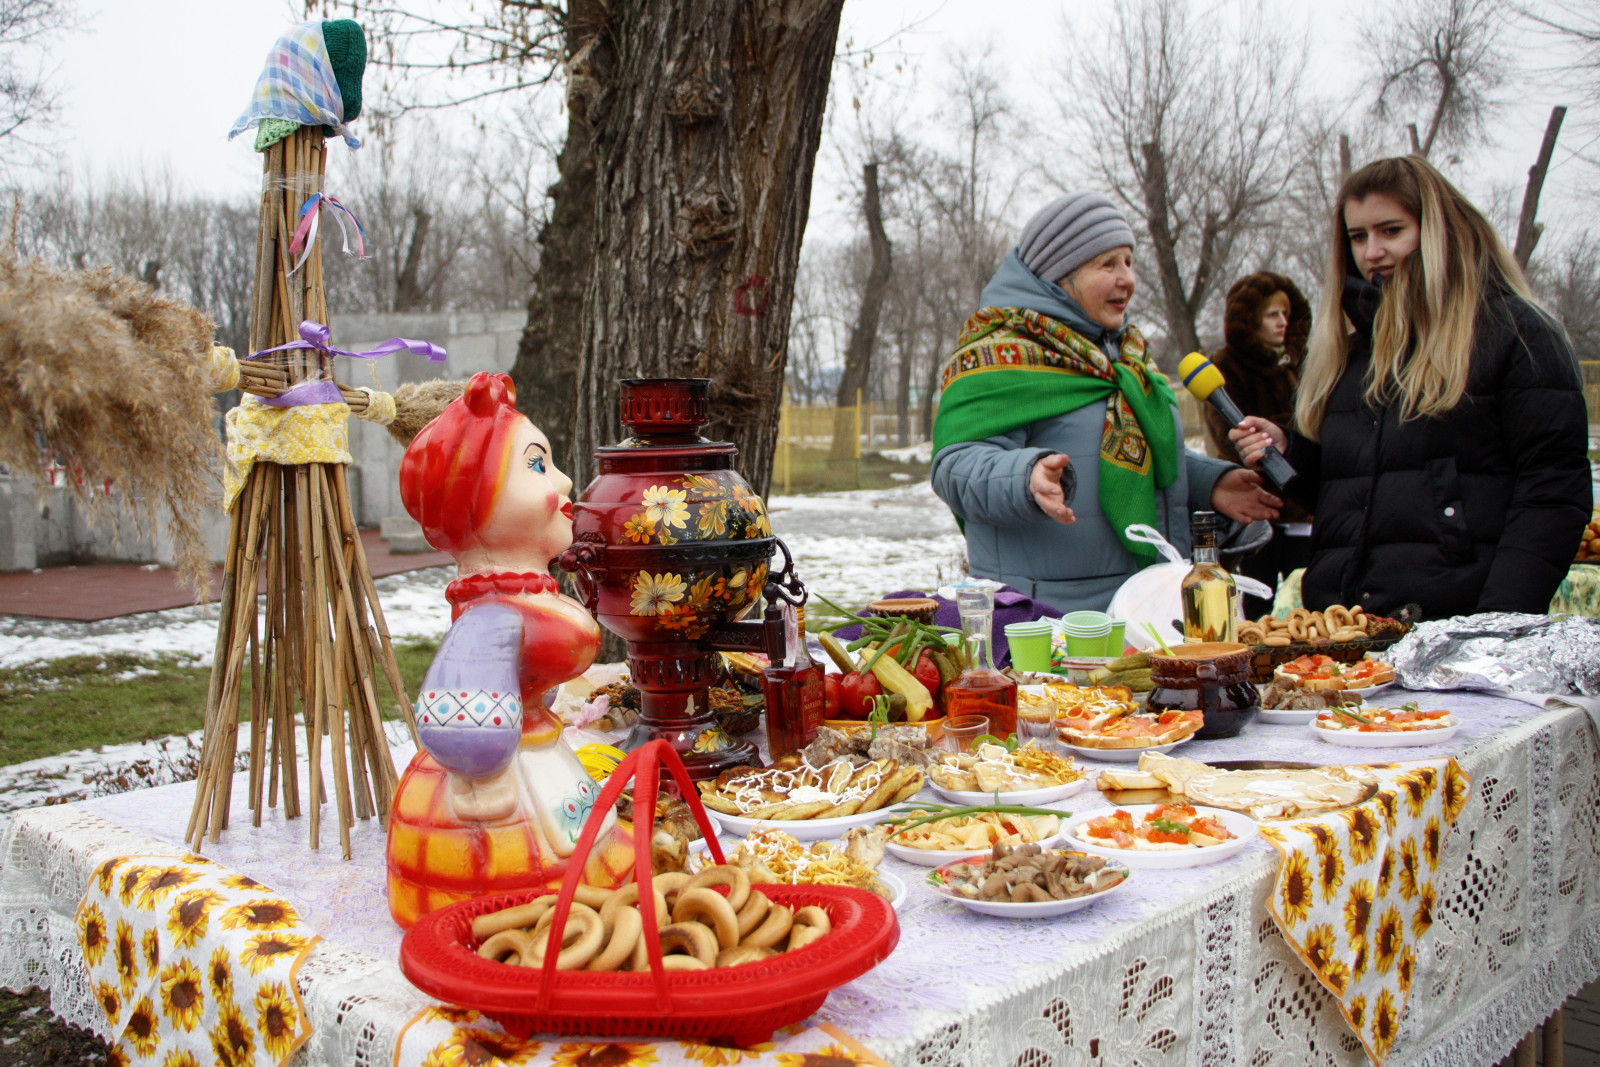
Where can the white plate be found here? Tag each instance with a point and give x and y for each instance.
(897, 887)
(931, 857)
(699, 843)
(1042, 909)
(803, 829)
(1363, 692)
(1285, 717)
(1407, 739)
(1030, 797)
(1120, 755)
(1242, 827)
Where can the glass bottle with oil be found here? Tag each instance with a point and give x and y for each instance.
(1210, 599)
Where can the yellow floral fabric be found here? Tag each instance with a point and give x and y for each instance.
(444, 1036)
(310, 433)
(193, 964)
(1355, 894)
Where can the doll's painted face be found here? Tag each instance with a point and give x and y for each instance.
(533, 513)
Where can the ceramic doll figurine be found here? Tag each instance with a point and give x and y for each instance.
(495, 800)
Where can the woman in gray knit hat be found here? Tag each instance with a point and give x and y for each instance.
(1055, 432)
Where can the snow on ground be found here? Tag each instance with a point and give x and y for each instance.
(850, 547)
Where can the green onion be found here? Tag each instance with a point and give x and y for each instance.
(908, 822)
(1347, 713)
(1153, 632)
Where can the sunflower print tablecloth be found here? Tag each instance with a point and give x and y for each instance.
(444, 1036)
(1355, 894)
(193, 964)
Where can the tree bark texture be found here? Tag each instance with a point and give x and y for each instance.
(546, 368)
(1529, 228)
(706, 121)
(1158, 211)
(408, 293)
(864, 333)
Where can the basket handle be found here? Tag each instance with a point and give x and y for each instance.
(643, 766)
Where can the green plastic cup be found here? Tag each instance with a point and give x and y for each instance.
(1030, 645)
(1116, 641)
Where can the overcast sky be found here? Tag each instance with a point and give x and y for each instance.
(155, 84)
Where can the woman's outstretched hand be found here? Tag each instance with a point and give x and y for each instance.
(1238, 495)
(1044, 482)
(1252, 436)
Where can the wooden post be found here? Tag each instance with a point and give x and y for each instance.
(855, 438)
(1554, 1040)
(1528, 229)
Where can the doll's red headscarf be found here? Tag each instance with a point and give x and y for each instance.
(451, 474)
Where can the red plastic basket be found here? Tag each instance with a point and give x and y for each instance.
(742, 1004)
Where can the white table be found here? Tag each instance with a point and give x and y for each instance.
(1184, 967)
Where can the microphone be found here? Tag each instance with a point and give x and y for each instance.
(1204, 381)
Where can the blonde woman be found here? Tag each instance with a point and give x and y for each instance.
(1439, 426)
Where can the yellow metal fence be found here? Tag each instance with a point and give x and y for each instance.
(1590, 369)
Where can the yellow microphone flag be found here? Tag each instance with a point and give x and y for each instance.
(1199, 376)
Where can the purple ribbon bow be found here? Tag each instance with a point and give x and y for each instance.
(316, 336)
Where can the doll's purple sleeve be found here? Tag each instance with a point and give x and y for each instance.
(469, 714)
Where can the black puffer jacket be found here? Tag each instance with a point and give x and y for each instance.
(1476, 510)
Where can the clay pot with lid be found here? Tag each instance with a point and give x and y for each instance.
(1212, 676)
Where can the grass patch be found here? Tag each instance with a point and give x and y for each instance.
(812, 473)
(89, 701)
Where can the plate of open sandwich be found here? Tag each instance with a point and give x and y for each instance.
(774, 857)
(932, 834)
(1005, 772)
(1028, 881)
(809, 802)
(1262, 789)
(1108, 724)
(1161, 836)
(1316, 673)
(1407, 726)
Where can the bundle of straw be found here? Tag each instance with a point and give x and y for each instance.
(315, 657)
(112, 377)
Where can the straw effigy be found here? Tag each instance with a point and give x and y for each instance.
(115, 380)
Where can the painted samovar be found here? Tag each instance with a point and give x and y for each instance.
(671, 548)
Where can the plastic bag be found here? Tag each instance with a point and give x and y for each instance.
(1155, 594)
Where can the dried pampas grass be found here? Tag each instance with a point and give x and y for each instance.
(418, 403)
(111, 376)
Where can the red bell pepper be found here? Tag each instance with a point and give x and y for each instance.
(856, 691)
(830, 696)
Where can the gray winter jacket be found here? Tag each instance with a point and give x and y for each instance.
(985, 483)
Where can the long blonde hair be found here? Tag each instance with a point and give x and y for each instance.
(1422, 336)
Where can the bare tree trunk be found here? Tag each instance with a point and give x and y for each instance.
(864, 333)
(1416, 143)
(546, 367)
(1344, 158)
(408, 295)
(902, 389)
(1528, 229)
(930, 393)
(1184, 337)
(706, 121)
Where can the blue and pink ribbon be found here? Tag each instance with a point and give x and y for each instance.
(316, 336)
(305, 235)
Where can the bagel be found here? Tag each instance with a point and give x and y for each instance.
(1277, 639)
(518, 918)
(713, 909)
(812, 915)
(591, 896)
(504, 944)
(801, 936)
(732, 957)
(773, 929)
(691, 939)
(682, 963)
(629, 895)
(1340, 617)
(590, 932)
(754, 910)
(735, 878)
(1353, 633)
(669, 884)
(627, 930)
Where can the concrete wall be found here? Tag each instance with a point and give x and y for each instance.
(39, 532)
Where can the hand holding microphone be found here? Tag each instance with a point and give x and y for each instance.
(1204, 381)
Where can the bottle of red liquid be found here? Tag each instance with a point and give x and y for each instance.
(793, 691)
(982, 690)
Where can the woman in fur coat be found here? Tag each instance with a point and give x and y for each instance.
(1265, 327)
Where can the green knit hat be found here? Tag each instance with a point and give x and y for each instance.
(347, 53)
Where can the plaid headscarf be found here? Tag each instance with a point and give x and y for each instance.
(298, 85)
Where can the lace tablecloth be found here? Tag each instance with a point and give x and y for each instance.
(1184, 967)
